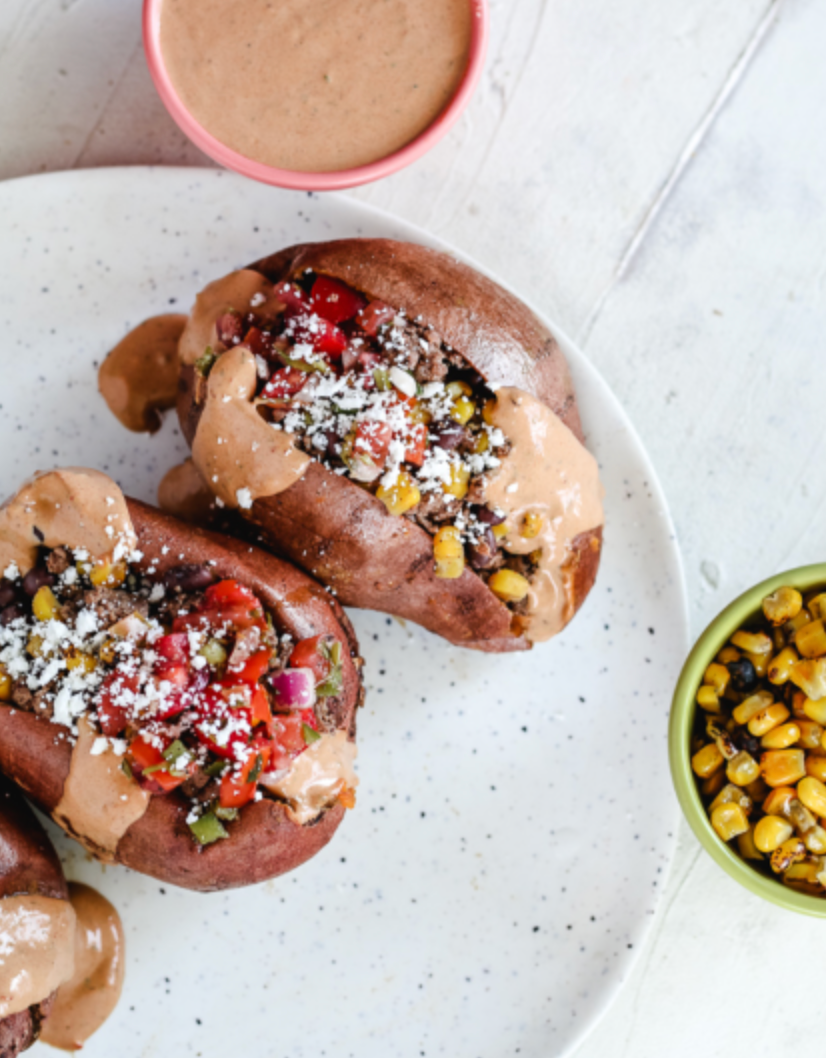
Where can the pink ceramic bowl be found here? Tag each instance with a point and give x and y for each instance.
(331, 181)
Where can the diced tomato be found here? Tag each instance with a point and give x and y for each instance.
(322, 335)
(284, 384)
(258, 342)
(223, 728)
(334, 300)
(252, 670)
(229, 328)
(143, 754)
(260, 705)
(184, 697)
(228, 593)
(236, 790)
(114, 717)
(416, 445)
(173, 647)
(292, 296)
(307, 655)
(374, 316)
(288, 741)
(373, 439)
(174, 672)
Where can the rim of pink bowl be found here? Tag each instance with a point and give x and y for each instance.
(309, 181)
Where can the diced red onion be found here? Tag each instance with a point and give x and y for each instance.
(294, 688)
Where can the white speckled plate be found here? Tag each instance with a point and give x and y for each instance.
(513, 829)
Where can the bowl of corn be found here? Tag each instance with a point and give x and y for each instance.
(747, 739)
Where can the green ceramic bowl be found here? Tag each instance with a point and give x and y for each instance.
(679, 736)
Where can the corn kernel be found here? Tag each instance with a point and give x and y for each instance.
(782, 605)
(531, 525)
(757, 790)
(817, 606)
(107, 574)
(463, 410)
(458, 389)
(779, 639)
(778, 801)
(458, 484)
(729, 820)
(717, 677)
(508, 585)
(761, 663)
(488, 412)
(763, 722)
(770, 832)
(746, 847)
(816, 767)
(800, 817)
(796, 705)
(812, 792)
(752, 642)
(707, 699)
(742, 769)
(815, 710)
(78, 661)
(810, 734)
(417, 413)
(44, 604)
(783, 767)
(107, 652)
(482, 443)
(731, 794)
(751, 706)
(711, 786)
(815, 840)
(34, 647)
(801, 618)
(781, 737)
(803, 872)
(449, 553)
(401, 497)
(810, 640)
(5, 684)
(500, 531)
(724, 741)
(780, 666)
(791, 851)
(728, 654)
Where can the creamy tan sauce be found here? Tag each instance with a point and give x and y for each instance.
(139, 377)
(100, 802)
(316, 85)
(73, 507)
(317, 777)
(239, 291)
(548, 473)
(184, 493)
(87, 998)
(238, 454)
(37, 936)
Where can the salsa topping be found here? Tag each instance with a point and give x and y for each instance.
(186, 678)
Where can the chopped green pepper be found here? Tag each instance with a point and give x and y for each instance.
(227, 814)
(208, 829)
(203, 365)
(310, 735)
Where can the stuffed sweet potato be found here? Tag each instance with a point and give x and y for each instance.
(179, 702)
(404, 430)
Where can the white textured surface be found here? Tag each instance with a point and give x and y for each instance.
(711, 334)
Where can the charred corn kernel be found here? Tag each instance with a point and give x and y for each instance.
(802, 617)
(752, 642)
(717, 677)
(729, 820)
(731, 794)
(44, 604)
(817, 606)
(816, 767)
(5, 685)
(800, 817)
(728, 654)
(482, 443)
(401, 497)
(770, 832)
(707, 699)
(815, 840)
(815, 710)
(810, 734)
(488, 412)
(34, 647)
(449, 553)
(810, 640)
(812, 792)
(742, 769)
(763, 722)
(458, 389)
(500, 531)
(803, 872)
(791, 851)
(778, 639)
(780, 666)
(757, 790)
(761, 663)
(746, 847)
(108, 574)
(783, 767)
(714, 784)
(418, 413)
(778, 801)
(751, 706)
(78, 661)
(782, 605)
(458, 484)
(798, 700)
(723, 739)
(107, 652)
(781, 737)
(463, 410)
(509, 586)
(531, 525)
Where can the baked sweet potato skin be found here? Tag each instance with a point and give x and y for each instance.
(340, 533)
(28, 865)
(263, 842)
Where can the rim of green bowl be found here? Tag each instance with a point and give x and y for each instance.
(683, 710)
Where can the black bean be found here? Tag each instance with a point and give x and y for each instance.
(8, 593)
(11, 613)
(488, 517)
(230, 328)
(187, 578)
(483, 553)
(36, 578)
(743, 676)
(447, 434)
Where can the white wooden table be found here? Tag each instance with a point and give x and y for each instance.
(653, 174)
